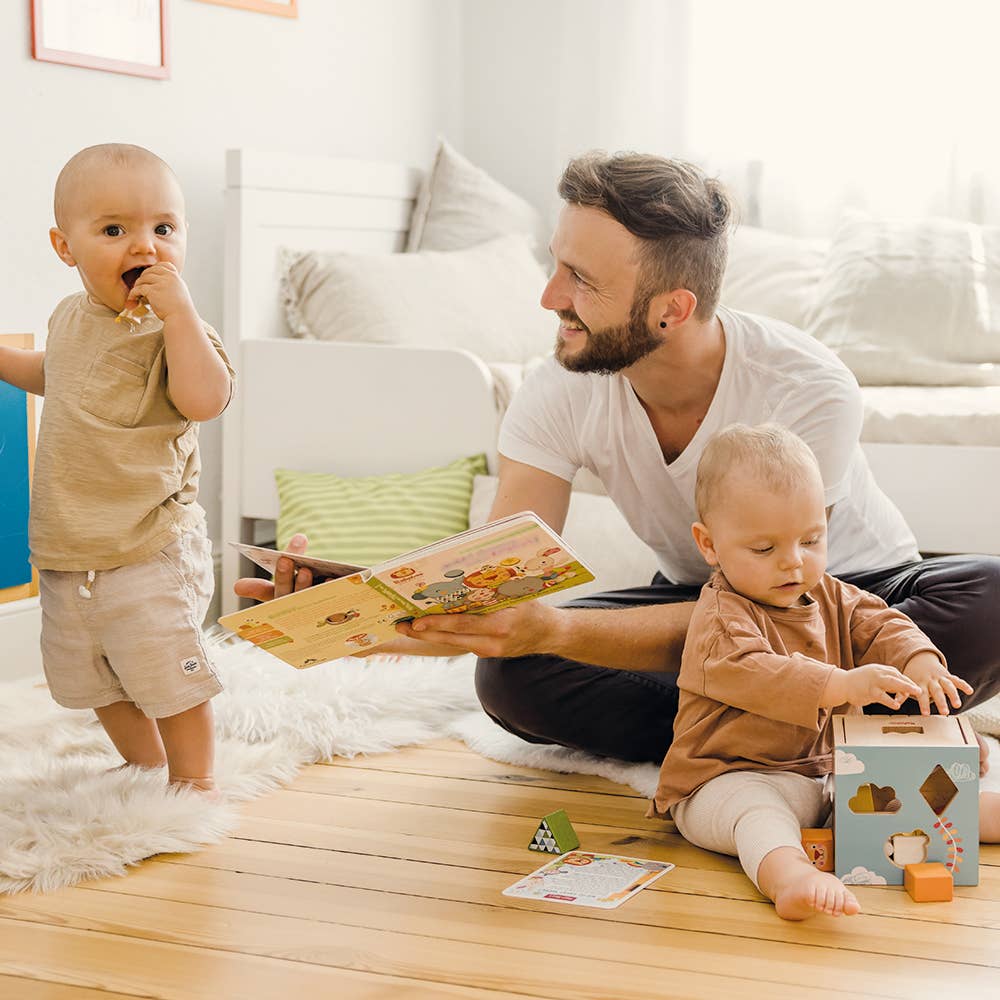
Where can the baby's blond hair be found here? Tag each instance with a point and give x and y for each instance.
(120, 154)
(769, 453)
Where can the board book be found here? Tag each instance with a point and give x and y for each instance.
(484, 569)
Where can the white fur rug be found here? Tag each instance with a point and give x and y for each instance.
(65, 815)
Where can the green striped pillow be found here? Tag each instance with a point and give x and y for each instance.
(369, 519)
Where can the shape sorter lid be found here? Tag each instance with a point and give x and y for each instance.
(902, 731)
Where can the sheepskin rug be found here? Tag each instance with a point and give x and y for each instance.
(66, 813)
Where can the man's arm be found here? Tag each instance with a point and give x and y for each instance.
(23, 368)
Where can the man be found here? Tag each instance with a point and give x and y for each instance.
(647, 367)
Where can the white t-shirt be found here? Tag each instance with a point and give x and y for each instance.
(561, 421)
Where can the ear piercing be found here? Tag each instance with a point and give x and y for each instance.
(663, 325)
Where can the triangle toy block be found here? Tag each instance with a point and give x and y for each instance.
(555, 834)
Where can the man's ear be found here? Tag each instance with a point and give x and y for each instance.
(704, 542)
(669, 310)
(61, 246)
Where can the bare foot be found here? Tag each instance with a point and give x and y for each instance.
(810, 892)
(800, 891)
(989, 817)
(203, 786)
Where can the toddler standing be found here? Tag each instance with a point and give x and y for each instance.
(115, 530)
(775, 645)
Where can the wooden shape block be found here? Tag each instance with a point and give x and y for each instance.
(555, 834)
(818, 845)
(929, 882)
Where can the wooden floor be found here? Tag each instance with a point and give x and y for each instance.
(382, 877)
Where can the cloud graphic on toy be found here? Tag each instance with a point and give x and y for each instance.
(862, 876)
(847, 763)
(960, 771)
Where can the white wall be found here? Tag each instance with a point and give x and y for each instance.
(545, 80)
(364, 78)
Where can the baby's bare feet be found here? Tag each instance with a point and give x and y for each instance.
(203, 786)
(808, 891)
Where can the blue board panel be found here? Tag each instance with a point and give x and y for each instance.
(15, 569)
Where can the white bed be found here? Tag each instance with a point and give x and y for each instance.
(318, 406)
(364, 410)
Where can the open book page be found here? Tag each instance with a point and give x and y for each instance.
(484, 569)
(268, 559)
(515, 559)
(332, 619)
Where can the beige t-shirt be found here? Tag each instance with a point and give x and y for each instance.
(116, 468)
(752, 677)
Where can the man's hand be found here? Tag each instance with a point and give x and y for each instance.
(876, 683)
(936, 683)
(518, 631)
(286, 579)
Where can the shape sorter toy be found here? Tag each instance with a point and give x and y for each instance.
(906, 791)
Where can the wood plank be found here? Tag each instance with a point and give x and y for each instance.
(18, 988)
(656, 906)
(401, 830)
(414, 955)
(435, 762)
(474, 796)
(106, 962)
(478, 913)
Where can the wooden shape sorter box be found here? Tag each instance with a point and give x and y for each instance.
(906, 791)
(17, 453)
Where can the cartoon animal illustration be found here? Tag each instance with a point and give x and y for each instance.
(521, 586)
(450, 593)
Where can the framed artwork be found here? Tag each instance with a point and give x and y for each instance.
(283, 8)
(121, 36)
(18, 578)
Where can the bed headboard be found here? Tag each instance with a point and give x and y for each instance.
(323, 406)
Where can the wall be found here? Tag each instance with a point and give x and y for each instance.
(544, 81)
(365, 78)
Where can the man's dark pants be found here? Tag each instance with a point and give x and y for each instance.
(630, 714)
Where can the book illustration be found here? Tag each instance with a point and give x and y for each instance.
(356, 609)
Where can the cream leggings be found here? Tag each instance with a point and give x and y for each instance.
(750, 813)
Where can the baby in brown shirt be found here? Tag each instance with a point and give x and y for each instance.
(774, 646)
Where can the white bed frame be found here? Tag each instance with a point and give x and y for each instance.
(364, 410)
(351, 409)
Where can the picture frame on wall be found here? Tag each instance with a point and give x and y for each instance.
(283, 8)
(120, 36)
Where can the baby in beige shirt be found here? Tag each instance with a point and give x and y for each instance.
(775, 645)
(128, 372)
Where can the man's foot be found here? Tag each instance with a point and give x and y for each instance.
(989, 817)
(808, 892)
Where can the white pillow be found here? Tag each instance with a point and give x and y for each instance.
(596, 530)
(773, 274)
(460, 205)
(483, 299)
(912, 302)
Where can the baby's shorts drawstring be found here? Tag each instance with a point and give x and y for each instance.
(84, 588)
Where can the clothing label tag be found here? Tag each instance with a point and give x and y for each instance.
(190, 665)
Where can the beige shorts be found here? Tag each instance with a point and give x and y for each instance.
(137, 637)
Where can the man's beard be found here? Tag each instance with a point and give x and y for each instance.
(609, 351)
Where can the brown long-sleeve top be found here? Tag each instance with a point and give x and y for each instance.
(752, 677)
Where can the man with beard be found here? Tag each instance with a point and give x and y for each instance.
(647, 367)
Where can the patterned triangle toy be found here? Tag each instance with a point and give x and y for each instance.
(555, 834)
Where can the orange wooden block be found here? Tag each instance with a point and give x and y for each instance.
(930, 882)
(818, 845)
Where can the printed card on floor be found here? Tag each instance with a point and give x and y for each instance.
(585, 879)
